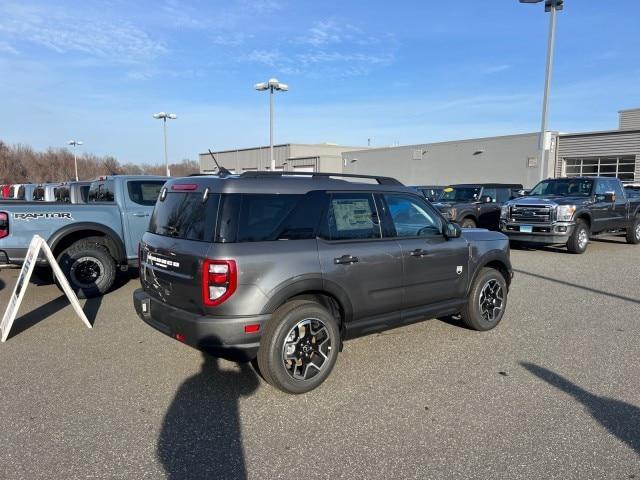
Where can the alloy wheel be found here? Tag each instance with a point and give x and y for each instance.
(491, 300)
(306, 349)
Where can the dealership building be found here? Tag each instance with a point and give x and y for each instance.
(507, 159)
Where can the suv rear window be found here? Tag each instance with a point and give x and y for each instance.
(185, 216)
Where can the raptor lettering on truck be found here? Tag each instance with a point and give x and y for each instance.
(44, 215)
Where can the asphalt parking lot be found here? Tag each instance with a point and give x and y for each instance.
(553, 392)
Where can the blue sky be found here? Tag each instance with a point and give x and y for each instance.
(403, 71)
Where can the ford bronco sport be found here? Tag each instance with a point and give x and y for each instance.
(282, 268)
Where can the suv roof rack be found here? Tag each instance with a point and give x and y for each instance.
(379, 179)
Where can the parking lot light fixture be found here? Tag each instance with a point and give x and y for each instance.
(551, 6)
(164, 116)
(272, 85)
(74, 144)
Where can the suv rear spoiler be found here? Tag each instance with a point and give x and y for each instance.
(380, 180)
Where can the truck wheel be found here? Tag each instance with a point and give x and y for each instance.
(579, 239)
(299, 346)
(633, 232)
(89, 268)
(487, 301)
(468, 223)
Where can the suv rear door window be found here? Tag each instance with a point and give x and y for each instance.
(185, 216)
(262, 217)
(352, 216)
(144, 192)
(412, 217)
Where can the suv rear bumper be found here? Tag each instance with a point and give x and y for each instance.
(222, 337)
(549, 233)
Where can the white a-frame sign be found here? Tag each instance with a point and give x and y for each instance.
(37, 244)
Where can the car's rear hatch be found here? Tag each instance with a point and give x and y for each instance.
(179, 237)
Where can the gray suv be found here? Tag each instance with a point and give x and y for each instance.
(283, 268)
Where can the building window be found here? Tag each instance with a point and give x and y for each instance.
(621, 167)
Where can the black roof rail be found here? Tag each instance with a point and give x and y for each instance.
(379, 179)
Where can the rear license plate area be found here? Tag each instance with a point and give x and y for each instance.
(526, 228)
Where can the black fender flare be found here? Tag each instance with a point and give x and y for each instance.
(62, 233)
(309, 284)
(485, 259)
(466, 213)
(584, 212)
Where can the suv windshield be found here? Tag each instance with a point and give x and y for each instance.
(460, 194)
(575, 187)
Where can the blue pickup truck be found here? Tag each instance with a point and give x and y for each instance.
(91, 241)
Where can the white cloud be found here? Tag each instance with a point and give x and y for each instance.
(495, 68)
(7, 48)
(65, 31)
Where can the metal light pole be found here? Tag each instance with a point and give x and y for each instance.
(74, 144)
(164, 116)
(549, 6)
(272, 85)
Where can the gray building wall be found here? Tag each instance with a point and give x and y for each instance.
(629, 119)
(505, 159)
(288, 157)
(599, 144)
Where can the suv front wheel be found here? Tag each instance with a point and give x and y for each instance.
(299, 346)
(487, 300)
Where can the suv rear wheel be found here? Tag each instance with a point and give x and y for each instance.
(89, 268)
(487, 300)
(299, 346)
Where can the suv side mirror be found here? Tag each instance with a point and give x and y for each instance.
(610, 197)
(486, 199)
(452, 230)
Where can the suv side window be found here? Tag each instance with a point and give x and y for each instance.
(490, 192)
(412, 217)
(144, 192)
(614, 186)
(503, 194)
(351, 216)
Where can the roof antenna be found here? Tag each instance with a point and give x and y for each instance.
(221, 170)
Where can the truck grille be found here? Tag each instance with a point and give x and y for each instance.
(531, 213)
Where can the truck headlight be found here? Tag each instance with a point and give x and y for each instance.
(504, 211)
(565, 213)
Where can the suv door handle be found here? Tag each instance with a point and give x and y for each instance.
(418, 252)
(345, 260)
(140, 214)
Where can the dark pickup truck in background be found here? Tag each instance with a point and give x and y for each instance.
(476, 205)
(568, 211)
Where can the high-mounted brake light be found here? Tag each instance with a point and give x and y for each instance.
(181, 187)
(219, 281)
(4, 224)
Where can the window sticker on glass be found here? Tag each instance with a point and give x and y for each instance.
(352, 214)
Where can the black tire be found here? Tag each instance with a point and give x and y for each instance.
(577, 243)
(271, 355)
(480, 313)
(633, 233)
(468, 223)
(89, 268)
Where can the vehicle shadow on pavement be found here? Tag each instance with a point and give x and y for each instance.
(2, 284)
(575, 285)
(201, 434)
(619, 418)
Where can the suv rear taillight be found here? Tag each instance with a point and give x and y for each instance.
(4, 224)
(219, 281)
